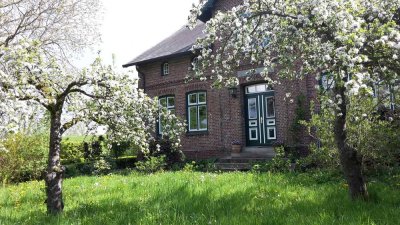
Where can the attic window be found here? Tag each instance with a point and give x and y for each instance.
(165, 69)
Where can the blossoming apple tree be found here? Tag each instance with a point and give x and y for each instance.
(356, 42)
(98, 95)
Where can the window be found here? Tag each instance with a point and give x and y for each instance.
(165, 69)
(385, 94)
(167, 102)
(197, 111)
(258, 88)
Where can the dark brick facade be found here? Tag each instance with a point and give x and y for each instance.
(226, 114)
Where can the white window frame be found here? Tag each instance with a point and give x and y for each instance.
(165, 68)
(197, 104)
(169, 108)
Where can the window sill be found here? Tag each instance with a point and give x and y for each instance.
(196, 133)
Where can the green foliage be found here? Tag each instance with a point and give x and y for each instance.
(25, 157)
(163, 147)
(96, 167)
(280, 163)
(152, 164)
(71, 151)
(376, 137)
(190, 166)
(297, 129)
(186, 198)
(101, 166)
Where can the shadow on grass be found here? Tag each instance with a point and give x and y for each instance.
(224, 204)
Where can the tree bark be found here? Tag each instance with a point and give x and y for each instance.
(55, 171)
(350, 159)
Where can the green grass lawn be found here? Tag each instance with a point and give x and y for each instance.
(204, 198)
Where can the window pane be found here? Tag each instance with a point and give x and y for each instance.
(193, 118)
(203, 117)
(163, 102)
(251, 89)
(261, 88)
(270, 107)
(252, 108)
(192, 99)
(202, 97)
(171, 102)
(166, 68)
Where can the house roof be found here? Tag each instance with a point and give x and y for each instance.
(178, 43)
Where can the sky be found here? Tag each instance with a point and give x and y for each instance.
(130, 27)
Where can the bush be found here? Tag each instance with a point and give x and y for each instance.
(280, 163)
(125, 162)
(102, 166)
(163, 147)
(71, 151)
(25, 158)
(152, 164)
(373, 132)
(95, 167)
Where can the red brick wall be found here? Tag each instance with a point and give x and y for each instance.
(226, 121)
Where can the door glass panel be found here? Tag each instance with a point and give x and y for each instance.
(193, 118)
(253, 123)
(271, 122)
(252, 108)
(271, 133)
(270, 107)
(203, 117)
(253, 134)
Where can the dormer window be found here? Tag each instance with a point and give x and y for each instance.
(165, 69)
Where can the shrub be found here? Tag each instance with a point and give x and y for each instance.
(25, 157)
(163, 147)
(71, 151)
(374, 135)
(152, 164)
(125, 162)
(101, 166)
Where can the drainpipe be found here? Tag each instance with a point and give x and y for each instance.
(143, 77)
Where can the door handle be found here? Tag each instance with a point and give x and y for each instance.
(261, 120)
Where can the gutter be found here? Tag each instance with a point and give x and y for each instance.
(157, 59)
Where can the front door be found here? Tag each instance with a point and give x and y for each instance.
(260, 115)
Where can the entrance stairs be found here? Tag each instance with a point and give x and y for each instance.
(244, 160)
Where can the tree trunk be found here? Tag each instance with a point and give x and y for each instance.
(55, 171)
(350, 159)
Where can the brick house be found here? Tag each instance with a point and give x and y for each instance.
(253, 114)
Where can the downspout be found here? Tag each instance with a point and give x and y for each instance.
(143, 77)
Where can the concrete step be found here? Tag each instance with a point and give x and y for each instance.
(259, 150)
(233, 166)
(243, 159)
